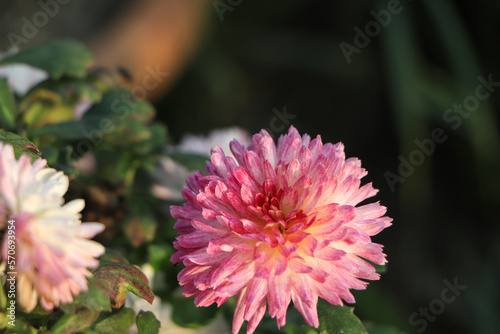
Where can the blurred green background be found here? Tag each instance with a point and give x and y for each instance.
(396, 90)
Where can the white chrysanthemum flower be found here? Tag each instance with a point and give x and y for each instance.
(52, 250)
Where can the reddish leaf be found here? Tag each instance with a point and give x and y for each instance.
(112, 256)
(21, 145)
(123, 278)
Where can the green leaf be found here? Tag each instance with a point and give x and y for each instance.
(382, 329)
(112, 255)
(115, 322)
(21, 326)
(129, 132)
(8, 109)
(72, 130)
(21, 145)
(96, 297)
(157, 139)
(379, 268)
(291, 328)
(123, 278)
(159, 255)
(68, 308)
(192, 161)
(37, 318)
(147, 323)
(58, 58)
(186, 314)
(3, 299)
(335, 319)
(77, 322)
(119, 104)
(112, 166)
(71, 89)
(387, 310)
(55, 101)
(50, 153)
(44, 107)
(65, 161)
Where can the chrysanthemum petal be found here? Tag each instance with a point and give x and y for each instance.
(53, 247)
(279, 223)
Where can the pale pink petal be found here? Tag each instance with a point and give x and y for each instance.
(53, 247)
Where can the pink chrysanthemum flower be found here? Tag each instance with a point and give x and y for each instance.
(52, 250)
(279, 224)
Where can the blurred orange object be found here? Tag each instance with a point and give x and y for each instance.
(152, 40)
